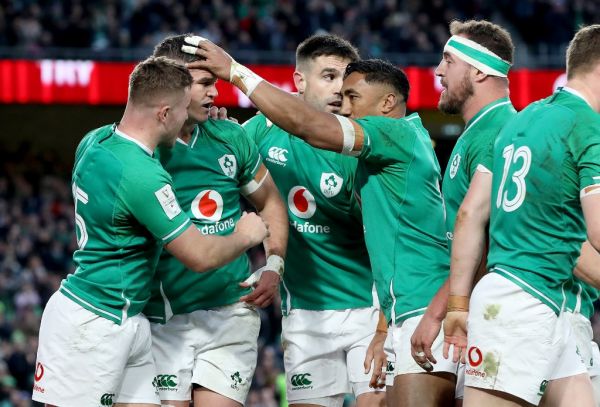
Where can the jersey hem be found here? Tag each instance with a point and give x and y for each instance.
(90, 307)
(528, 288)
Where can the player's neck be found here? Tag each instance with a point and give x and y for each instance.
(137, 128)
(481, 99)
(586, 89)
(186, 132)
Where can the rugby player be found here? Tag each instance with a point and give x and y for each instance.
(404, 227)
(477, 90)
(327, 302)
(94, 343)
(545, 195)
(205, 326)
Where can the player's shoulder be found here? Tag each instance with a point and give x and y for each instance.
(225, 130)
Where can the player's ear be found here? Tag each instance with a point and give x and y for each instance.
(163, 113)
(299, 81)
(477, 75)
(389, 102)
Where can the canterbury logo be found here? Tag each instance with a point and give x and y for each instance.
(301, 379)
(165, 381)
(107, 399)
(278, 153)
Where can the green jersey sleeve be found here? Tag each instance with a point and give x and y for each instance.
(385, 141)
(481, 154)
(256, 128)
(585, 147)
(250, 162)
(149, 196)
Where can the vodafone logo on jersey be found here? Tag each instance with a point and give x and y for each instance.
(208, 205)
(301, 202)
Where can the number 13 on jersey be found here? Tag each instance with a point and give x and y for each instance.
(512, 158)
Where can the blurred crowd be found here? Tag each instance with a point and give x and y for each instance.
(375, 26)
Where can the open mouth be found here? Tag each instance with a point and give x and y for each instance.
(337, 103)
(207, 105)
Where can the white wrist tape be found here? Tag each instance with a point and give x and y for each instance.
(274, 263)
(244, 78)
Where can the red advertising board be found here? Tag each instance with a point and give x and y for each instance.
(102, 83)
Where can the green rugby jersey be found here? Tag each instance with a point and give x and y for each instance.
(544, 159)
(473, 150)
(125, 211)
(209, 174)
(327, 265)
(403, 214)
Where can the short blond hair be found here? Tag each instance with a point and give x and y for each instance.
(157, 77)
(584, 51)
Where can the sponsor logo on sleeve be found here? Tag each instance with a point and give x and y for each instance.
(168, 202)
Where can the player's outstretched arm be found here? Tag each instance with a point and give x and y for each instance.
(270, 206)
(320, 129)
(203, 253)
(467, 250)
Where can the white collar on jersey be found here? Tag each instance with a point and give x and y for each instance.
(139, 143)
(576, 93)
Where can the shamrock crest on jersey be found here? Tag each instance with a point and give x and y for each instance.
(454, 165)
(331, 184)
(228, 164)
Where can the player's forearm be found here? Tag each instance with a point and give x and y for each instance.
(275, 215)
(587, 268)
(203, 253)
(438, 305)
(467, 250)
(319, 129)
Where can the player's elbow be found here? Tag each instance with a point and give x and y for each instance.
(471, 216)
(594, 239)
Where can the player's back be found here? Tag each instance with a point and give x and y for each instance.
(537, 225)
(117, 254)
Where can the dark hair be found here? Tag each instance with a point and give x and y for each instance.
(156, 77)
(490, 35)
(170, 47)
(584, 51)
(325, 44)
(380, 71)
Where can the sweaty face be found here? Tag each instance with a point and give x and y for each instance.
(360, 98)
(203, 94)
(455, 78)
(323, 78)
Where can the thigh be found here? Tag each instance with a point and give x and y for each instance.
(78, 346)
(226, 356)
(359, 328)
(314, 354)
(173, 348)
(424, 389)
(514, 340)
(138, 382)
